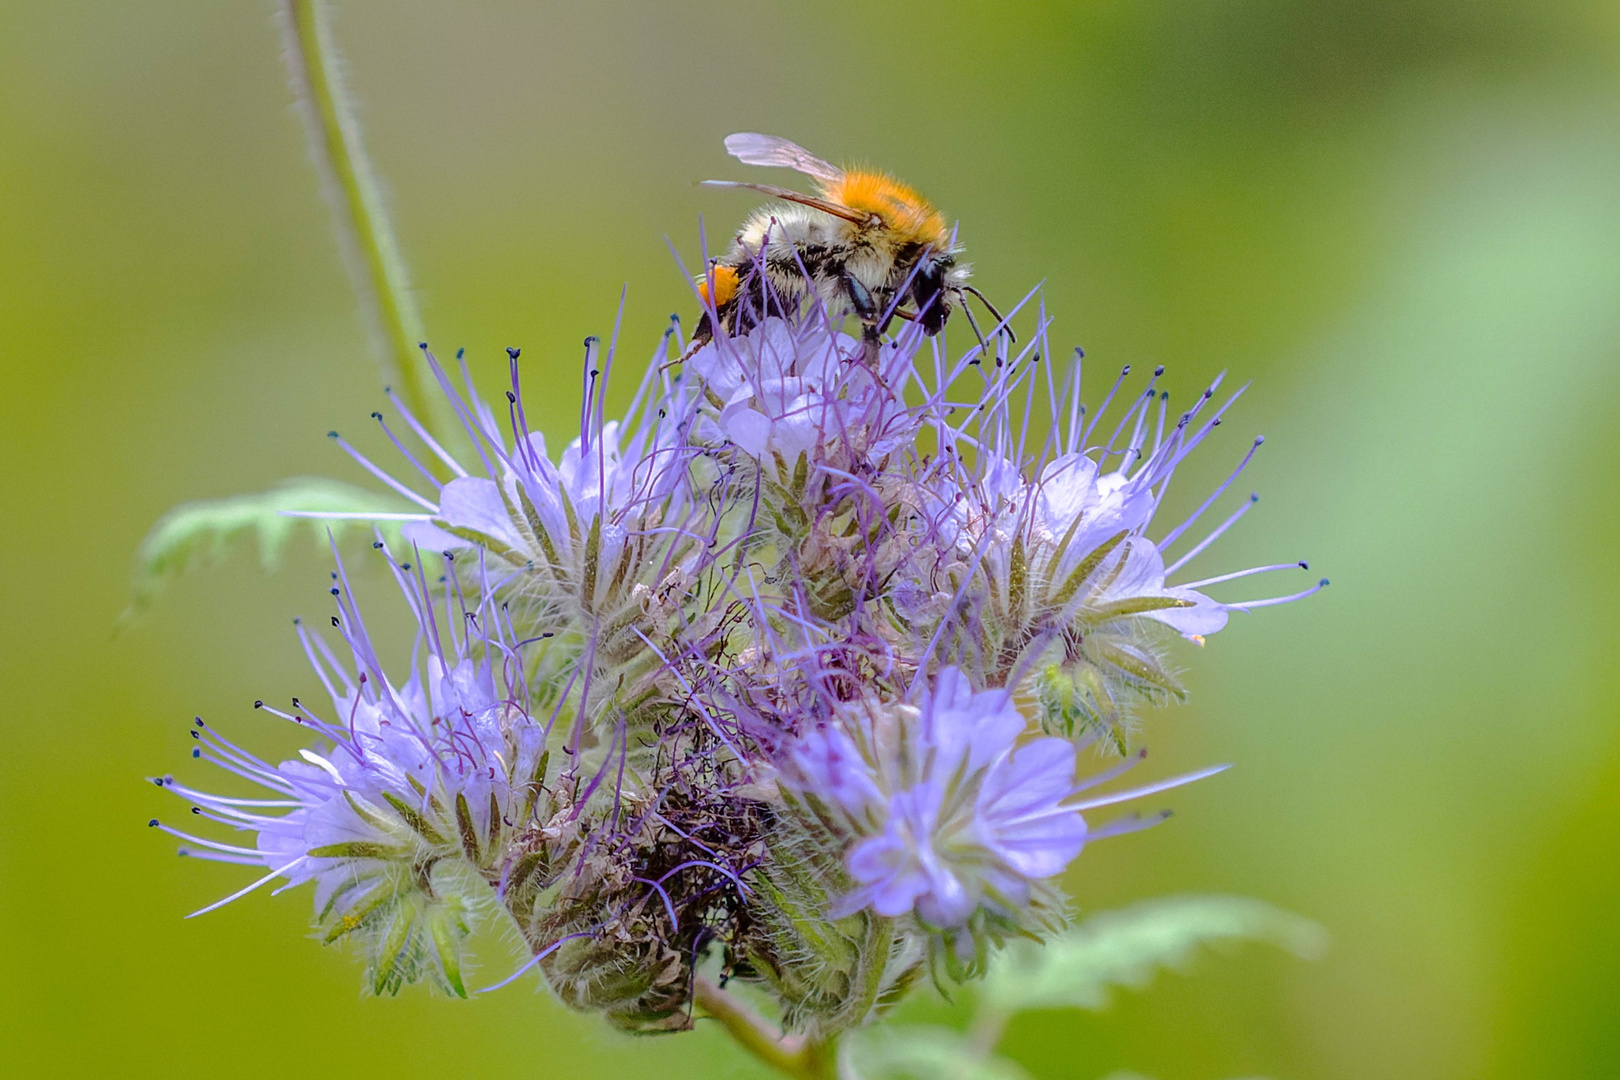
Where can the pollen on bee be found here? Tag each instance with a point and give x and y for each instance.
(725, 285)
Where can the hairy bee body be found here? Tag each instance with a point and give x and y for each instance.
(866, 245)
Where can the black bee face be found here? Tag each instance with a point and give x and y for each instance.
(928, 293)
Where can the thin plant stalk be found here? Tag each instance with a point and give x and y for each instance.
(802, 1059)
(364, 231)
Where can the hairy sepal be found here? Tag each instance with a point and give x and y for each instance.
(828, 974)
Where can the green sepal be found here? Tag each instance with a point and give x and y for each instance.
(494, 823)
(535, 786)
(1144, 668)
(358, 849)
(593, 546)
(369, 812)
(447, 930)
(535, 862)
(1017, 579)
(488, 543)
(1135, 605)
(387, 975)
(1087, 567)
(469, 834)
(541, 535)
(361, 912)
(416, 821)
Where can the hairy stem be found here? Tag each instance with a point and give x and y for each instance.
(983, 1036)
(363, 228)
(802, 1059)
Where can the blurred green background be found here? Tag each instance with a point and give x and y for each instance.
(1400, 217)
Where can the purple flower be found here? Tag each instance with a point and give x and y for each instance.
(949, 813)
(787, 389)
(779, 621)
(1074, 510)
(533, 512)
(1040, 567)
(557, 531)
(409, 807)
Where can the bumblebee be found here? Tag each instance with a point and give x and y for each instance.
(866, 244)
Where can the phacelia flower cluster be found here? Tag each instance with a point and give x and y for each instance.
(785, 675)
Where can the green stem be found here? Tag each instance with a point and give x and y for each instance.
(363, 228)
(802, 1059)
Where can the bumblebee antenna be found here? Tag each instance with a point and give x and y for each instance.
(1008, 330)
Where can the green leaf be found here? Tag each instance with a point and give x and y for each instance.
(921, 1052)
(1125, 948)
(201, 533)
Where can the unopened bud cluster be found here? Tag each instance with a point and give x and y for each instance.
(783, 676)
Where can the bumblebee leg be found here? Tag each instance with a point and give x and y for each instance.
(686, 354)
(871, 343)
(860, 298)
(703, 332)
(866, 309)
(892, 309)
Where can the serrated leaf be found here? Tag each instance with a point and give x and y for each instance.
(201, 533)
(1126, 948)
(920, 1052)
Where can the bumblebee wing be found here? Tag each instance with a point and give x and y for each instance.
(752, 149)
(789, 195)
